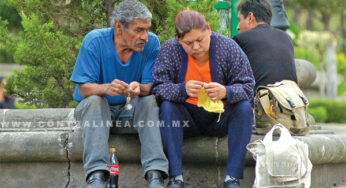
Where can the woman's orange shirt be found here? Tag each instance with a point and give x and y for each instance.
(197, 72)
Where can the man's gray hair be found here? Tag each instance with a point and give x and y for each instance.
(128, 10)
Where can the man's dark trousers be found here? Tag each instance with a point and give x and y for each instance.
(187, 120)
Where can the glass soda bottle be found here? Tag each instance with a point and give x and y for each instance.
(114, 168)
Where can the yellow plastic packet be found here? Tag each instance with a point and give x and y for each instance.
(209, 105)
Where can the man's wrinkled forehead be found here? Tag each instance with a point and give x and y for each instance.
(140, 24)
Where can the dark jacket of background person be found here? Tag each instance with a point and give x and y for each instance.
(270, 52)
(8, 103)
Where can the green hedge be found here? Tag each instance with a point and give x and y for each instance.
(319, 114)
(24, 106)
(327, 110)
(313, 57)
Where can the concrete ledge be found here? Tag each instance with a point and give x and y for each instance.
(54, 136)
(37, 119)
(49, 146)
(33, 146)
(326, 149)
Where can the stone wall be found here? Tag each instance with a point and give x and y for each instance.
(43, 148)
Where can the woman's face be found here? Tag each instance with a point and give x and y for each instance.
(196, 42)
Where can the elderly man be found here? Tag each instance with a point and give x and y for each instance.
(115, 64)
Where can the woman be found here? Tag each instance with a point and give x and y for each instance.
(198, 58)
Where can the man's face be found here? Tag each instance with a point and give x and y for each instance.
(244, 23)
(196, 42)
(136, 34)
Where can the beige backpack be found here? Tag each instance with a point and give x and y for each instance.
(282, 102)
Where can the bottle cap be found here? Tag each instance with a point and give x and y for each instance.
(112, 149)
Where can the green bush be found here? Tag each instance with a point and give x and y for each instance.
(24, 106)
(52, 32)
(319, 114)
(313, 57)
(5, 56)
(335, 110)
(295, 30)
(9, 12)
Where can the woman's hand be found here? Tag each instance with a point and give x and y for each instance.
(215, 91)
(192, 87)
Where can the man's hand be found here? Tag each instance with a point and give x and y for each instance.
(116, 88)
(192, 87)
(134, 89)
(215, 91)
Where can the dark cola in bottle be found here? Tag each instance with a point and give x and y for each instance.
(114, 168)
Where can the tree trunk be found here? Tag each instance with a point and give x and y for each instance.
(322, 73)
(322, 86)
(332, 90)
(326, 21)
(309, 20)
(297, 13)
(343, 32)
(109, 4)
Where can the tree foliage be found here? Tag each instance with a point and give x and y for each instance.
(326, 8)
(9, 23)
(7, 42)
(206, 7)
(9, 13)
(52, 33)
(333, 7)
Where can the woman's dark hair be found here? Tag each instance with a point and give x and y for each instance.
(261, 9)
(1, 78)
(186, 20)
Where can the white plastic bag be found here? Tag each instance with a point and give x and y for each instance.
(281, 163)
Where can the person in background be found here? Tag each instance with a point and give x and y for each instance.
(197, 58)
(269, 50)
(6, 102)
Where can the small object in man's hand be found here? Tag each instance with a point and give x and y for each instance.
(128, 106)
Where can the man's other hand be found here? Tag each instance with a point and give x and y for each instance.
(134, 89)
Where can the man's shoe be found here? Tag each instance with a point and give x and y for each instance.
(175, 184)
(232, 183)
(96, 180)
(155, 179)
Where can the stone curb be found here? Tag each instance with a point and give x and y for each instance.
(65, 144)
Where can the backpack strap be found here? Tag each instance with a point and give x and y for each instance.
(265, 103)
